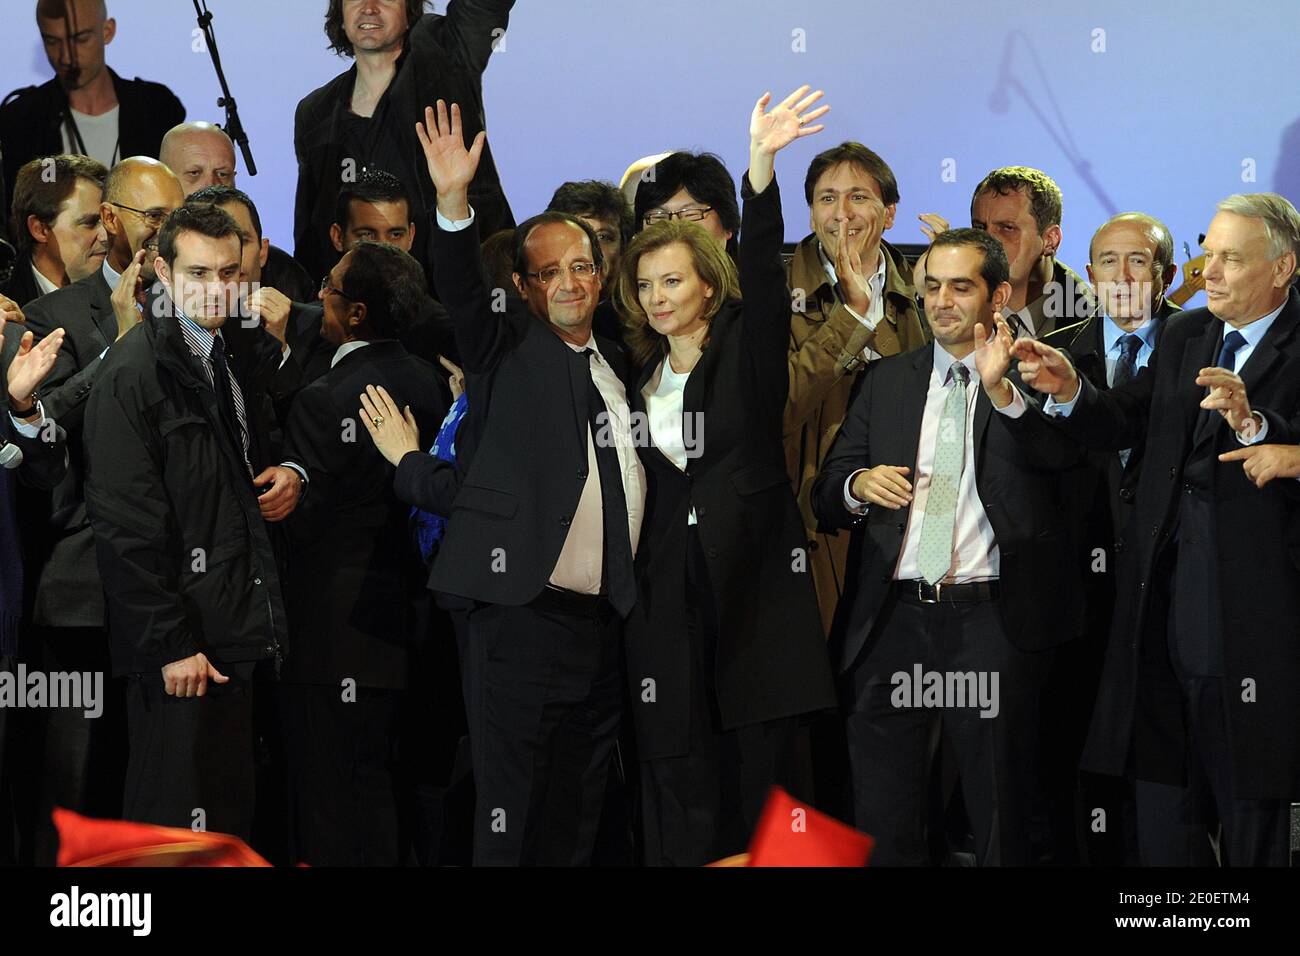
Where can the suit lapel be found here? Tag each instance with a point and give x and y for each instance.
(912, 407)
(1268, 352)
(1200, 353)
(101, 310)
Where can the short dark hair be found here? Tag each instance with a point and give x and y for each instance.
(860, 156)
(389, 282)
(372, 186)
(1044, 195)
(496, 251)
(525, 229)
(203, 218)
(598, 199)
(220, 195)
(338, 37)
(40, 194)
(703, 175)
(995, 269)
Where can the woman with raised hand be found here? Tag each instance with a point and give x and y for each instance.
(725, 651)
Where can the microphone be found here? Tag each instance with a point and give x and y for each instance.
(11, 456)
(998, 99)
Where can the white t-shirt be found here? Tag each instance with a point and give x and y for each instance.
(100, 135)
(663, 404)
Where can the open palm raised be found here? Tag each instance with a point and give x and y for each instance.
(788, 120)
(451, 165)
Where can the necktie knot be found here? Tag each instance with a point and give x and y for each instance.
(1232, 342)
(1129, 345)
(959, 373)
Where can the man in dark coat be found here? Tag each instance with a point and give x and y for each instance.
(366, 117)
(178, 448)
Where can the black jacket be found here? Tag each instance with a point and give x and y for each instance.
(1017, 462)
(354, 570)
(31, 120)
(771, 653)
(1258, 550)
(69, 592)
(22, 287)
(522, 448)
(186, 560)
(444, 59)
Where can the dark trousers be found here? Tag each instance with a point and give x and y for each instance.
(544, 691)
(191, 758)
(1175, 824)
(341, 781)
(702, 806)
(892, 747)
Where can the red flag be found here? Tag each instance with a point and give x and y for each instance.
(791, 833)
(87, 842)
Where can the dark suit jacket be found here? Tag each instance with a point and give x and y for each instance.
(286, 274)
(1258, 547)
(22, 287)
(522, 448)
(1017, 461)
(354, 569)
(445, 58)
(69, 592)
(771, 653)
(31, 118)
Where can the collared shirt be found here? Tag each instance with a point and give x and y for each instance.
(200, 342)
(30, 429)
(975, 549)
(875, 288)
(111, 275)
(1253, 334)
(581, 563)
(42, 283)
(1110, 338)
(343, 350)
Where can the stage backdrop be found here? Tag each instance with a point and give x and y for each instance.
(1158, 106)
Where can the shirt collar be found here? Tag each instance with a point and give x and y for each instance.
(345, 349)
(197, 338)
(42, 283)
(943, 364)
(110, 275)
(1256, 331)
(1111, 333)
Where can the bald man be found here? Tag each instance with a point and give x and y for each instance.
(200, 154)
(86, 109)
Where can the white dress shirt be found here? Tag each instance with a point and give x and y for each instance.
(975, 550)
(664, 394)
(42, 283)
(344, 349)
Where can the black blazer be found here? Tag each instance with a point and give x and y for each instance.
(1017, 462)
(354, 570)
(22, 287)
(69, 591)
(771, 654)
(445, 58)
(31, 119)
(1258, 547)
(523, 446)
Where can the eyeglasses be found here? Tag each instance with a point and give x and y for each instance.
(579, 270)
(691, 214)
(326, 290)
(154, 217)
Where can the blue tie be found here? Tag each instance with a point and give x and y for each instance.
(1228, 354)
(1126, 365)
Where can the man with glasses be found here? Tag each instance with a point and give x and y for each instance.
(95, 313)
(543, 531)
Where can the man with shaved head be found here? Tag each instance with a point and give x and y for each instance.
(200, 154)
(95, 313)
(86, 109)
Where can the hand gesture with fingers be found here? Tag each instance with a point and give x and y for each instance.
(30, 364)
(1046, 370)
(451, 165)
(1228, 397)
(1263, 463)
(395, 433)
(127, 295)
(932, 224)
(848, 267)
(456, 380)
(770, 132)
(993, 352)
